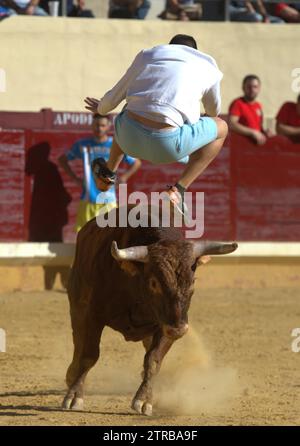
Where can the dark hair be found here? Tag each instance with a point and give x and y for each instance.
(183, 39)
(98, 116)
(298, 98)
(250, 77)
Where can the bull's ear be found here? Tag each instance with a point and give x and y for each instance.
(130, 268)
(201, 261)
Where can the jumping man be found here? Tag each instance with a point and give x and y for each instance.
(161, 120)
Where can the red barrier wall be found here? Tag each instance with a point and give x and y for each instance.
(266, 187)
(251, 192)
(47, 119)
(12, 179)
(51, 197)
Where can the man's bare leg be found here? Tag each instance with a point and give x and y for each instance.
(115, 156)
(104, 173)
(198, 162)
(200, 159)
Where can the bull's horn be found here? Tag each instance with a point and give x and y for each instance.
(137, 253)
(213, 248)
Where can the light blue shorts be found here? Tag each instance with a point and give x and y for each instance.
(162, 147)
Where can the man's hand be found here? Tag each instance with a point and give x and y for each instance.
(183, 16)
(129, 172)
(258, 137)
(64, 163)
(30, 9)
(123, 178)
(269, 133)
(92, 104)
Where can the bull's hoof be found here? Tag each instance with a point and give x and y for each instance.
(73, 403)
(77, 404)
(142, 407)
(66, 404)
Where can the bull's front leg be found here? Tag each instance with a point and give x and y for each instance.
(87, 332)
(142, 402)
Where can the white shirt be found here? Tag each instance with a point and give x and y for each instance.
(22, 3)
(166, 83)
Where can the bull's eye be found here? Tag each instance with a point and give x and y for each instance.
(154, 286)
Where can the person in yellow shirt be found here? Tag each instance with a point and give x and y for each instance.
(88, 149)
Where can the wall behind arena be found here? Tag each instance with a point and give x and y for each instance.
(56, 62)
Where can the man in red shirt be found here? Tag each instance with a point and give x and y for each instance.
(289, 12)
(288, 120)
(245, 113)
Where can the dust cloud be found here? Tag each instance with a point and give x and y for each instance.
(189, 383)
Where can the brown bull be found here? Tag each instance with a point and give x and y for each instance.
(138, 281)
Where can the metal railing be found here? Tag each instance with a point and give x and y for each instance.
(64, 8)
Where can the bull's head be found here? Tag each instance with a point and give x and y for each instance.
(167, 271)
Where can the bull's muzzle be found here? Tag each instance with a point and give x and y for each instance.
(175, 332)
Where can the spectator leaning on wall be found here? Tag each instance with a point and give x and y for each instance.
(246, 114)
(75, 8)
(24, 7)
(4, 12)
(86, 150)
(248, 11)
(183, 10)
(289, 12)
(128, 9)
(288, 120)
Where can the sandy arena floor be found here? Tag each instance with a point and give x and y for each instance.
(235, 367)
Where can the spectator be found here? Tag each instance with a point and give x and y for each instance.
(244, 11)
(74, 8)
(245, 113)
(183, 10)
(289, 12)
(288, 120)
(4, 12)
(24, 7)
(79, 10)
(87, 150)
(128, 9)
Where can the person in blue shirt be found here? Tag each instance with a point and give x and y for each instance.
(87, 150)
